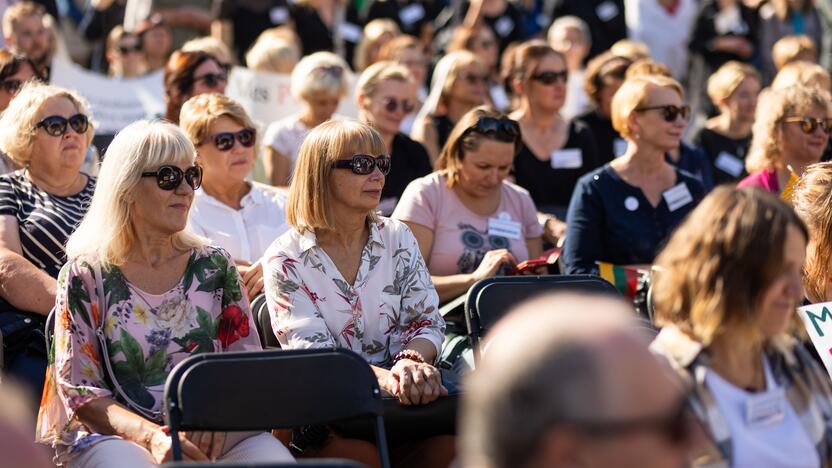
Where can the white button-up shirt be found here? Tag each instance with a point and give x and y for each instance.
(245, 233)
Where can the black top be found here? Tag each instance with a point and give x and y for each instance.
(551, 188)
(605, 135)
(250, 18)
(443, 128)
(44, 221)
(726, 155)
(409, 161)
(410, 15)
(704, 31)
(508, 27)
(314, 35)
(605, 19)
(694, 162)
(611, 221)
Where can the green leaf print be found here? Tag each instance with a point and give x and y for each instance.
(155, 374)
(196, 269)
(115, 285)
(77, 298)
(231, 289)
(134, 374)
(133, 352)
(201, 339)
(212, 283)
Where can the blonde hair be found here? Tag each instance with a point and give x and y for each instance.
(273, 54)
(812, 201)
(628, 48)
(307, 205)
(775, 105)
(378, 73)
(634, 93)
(106, 233)
(720, 261)
(311, 76)
(645, 67)
(458, 60)
(792, 48)
(369, 48)
(212, 46)
(18, 122)
(729, 77)
(200, 112)
(18, 11)
(802, 73)
(569, 22)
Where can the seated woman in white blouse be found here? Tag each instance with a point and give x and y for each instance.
(241, 217)
(344, 277)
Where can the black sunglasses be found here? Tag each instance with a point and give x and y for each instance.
(11, 86)
(126, 49)
(669, 112)
(502, 129)
(332, 70)
(56, 125)
(473, 78)
(225, 141)
(212, 80)
(809, 124)
(169, 177)
(363, 164)
(675, 425)
(392, 105)
(551, 77)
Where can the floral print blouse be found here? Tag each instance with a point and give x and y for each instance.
(391, 302)
(146, 336)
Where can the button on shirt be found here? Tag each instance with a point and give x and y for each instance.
(245, 233)
(612, 221)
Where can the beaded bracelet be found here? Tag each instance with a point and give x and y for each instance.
(408, 354)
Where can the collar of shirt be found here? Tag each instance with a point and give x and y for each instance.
(308, 239)
(252, 198)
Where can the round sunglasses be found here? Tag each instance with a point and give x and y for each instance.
(224, 141)
(669, 112)
(169, 177)
(809, 124)
(363, 164)
(392, 105)
(56, 125)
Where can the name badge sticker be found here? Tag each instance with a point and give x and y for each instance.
(567, 158)
(729, 164)
(350, 32)
(765, 410)
(677, 196)
(606, 11)
(412, 13)
(279, 15)
(504, 26)
(505, 227)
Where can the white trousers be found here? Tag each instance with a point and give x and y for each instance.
(126, 454)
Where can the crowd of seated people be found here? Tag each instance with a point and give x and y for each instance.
(425, 146)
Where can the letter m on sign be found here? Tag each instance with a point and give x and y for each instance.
(825, 314)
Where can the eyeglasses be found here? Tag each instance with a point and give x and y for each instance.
(669, 112)
(333, 70)
(225, 141)
(125, 49)
(169, 177)
(392, 105)
(11, 86)
(363, 164)
(473, 78)
(212, 80)
(549, 78)
(676, 425)
(502, 129)
(56, 125)
(809, 124)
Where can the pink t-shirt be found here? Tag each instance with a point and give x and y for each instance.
(461, 237)
(764, 179)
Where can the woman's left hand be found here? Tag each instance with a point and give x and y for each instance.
(415, 383)
(253, 279)
(209, 443)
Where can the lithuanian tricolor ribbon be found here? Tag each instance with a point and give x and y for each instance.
(624, 279)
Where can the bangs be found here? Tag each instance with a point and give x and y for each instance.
(351, 138)
(166, 147)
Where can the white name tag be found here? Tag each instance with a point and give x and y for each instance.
(350, 32)
(504, 26)
(279, 15)
(729, 164)
(765, 410)
(387, 205)
(504, 226)
(567, 158)
(619, 147)
(412, 13)
(606, 11)
(677, 196)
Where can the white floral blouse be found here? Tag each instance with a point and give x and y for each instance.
(391, 302)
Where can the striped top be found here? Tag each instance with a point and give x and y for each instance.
(44, 221)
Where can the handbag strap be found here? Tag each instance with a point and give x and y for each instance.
(105, 355)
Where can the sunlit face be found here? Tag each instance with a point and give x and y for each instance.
(415, 61)
(234, 164)
(799, 147)
(743, 101)
(209, 77)
(322, 106)
(482, 171)
(350, 192)
(128, 56)
(31, 38)
(783, 296)
(470, 85)
(58, 153)
(547, 96)
(484, 45)
(388, 106)
(162, 211)
(24, 73)
(157, 41)
(651, 125)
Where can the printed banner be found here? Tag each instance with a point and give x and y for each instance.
(114, 102)
(817, 319)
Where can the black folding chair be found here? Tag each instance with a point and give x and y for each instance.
(261, 390)
(312, 463)
(489, 299)
(263, 322)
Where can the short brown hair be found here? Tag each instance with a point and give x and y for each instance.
(390, 50)
(720, 261)
(11, 63)
(791, 48)
(18, 11)
(647, 66)
(179, 79)
(600, 70)
(812, 201)
(201, 111)
(633, 94)
(729, 77)
(528, 56)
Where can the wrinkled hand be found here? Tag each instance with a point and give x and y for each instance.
(161, 447)
(492, 262)
(252, 279)
(415, 383)
(209, 443)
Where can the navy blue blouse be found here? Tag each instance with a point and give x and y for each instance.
(612, 221)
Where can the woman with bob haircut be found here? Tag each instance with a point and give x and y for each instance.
(802, 73)
(622, 212)
(344, 277)
(459, 83)
(471, 223)
(726, 138)
(242, 217)
(319, 82)
(791, 130)
(15, 70)
(168, 296)
(46, 130)
(811, 202)
(725, 290)
(188, 74)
